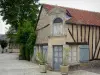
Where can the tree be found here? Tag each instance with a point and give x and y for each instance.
(3, 44)
(17, 13)
(25, 37)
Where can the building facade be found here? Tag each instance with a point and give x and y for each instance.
(60, 27)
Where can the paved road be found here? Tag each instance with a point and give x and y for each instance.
(10, 65)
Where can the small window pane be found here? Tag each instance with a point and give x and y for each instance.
(55, 60)
(58, 20)
(55, 48)
(60, 48)
(57, 29)
(74, 53)
(34, 51)
(60, 54)
(69, 59)
(74, 59)
(60, 60)
(70, 54)
(56, 54)
(74, 49)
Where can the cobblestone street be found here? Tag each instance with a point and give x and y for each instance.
(10, 65)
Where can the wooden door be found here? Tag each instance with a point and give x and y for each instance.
(57, 57)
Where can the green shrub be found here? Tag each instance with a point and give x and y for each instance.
(26, 37)
(41, 59)
(65, 56)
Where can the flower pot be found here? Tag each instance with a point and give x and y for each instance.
(64, 69)
(43, 68)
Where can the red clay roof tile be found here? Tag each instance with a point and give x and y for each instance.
(80, 16)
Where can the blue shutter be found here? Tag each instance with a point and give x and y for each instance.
(84, 53)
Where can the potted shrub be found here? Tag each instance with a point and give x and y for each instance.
(65, 67)
(41, 59)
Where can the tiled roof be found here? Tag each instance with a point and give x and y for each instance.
(79, 16)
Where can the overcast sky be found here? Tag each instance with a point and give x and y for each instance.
(91, 5)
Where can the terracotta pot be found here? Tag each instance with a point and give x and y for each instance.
(64, 69)
(43, 68)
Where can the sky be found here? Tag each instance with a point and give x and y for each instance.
(90, 5)
(3, 26)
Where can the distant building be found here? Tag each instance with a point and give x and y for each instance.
(3, 37)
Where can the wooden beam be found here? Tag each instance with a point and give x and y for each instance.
(77, 32)
(87, 31)
(96, 37)
(92, 42)
(85, 34)
(88, 34)
(71, 35)
(98, 53)
(81, 33)
(77, 43)
(98, 43)
(81, 24)
(97, 47)
(39, 15)
(43, 27)
(99, 32)
(72, 29)
(95, 41)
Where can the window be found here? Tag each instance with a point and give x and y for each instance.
(44, 49)
(73, 54)
(35, 51)
(57, 26)
(58, 20)
(34, 55)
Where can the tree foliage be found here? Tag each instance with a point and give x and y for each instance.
(26, 37)
(22, 16)
(16, 11)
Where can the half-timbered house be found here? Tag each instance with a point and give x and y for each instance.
(61, 27)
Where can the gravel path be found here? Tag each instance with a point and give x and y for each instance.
(10, 65)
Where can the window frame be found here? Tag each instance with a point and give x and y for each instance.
(57, 23)
(42, 50)
(71, 54)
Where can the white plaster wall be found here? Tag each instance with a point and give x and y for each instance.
(54, 41)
